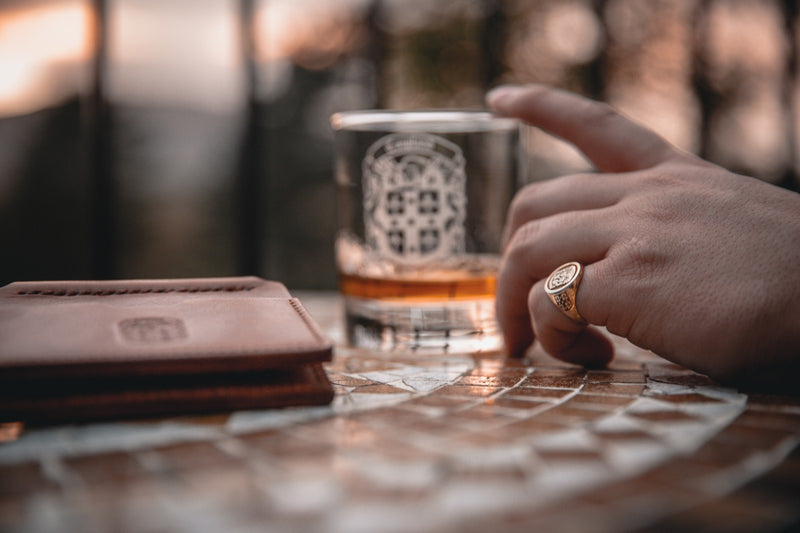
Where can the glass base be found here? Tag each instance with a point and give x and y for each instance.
(456, 326)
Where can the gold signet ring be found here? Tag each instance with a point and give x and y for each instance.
(562, 286)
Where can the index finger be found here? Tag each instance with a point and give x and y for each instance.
(612, 142)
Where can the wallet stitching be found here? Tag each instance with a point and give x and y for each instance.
(306, 319)
(117, 292)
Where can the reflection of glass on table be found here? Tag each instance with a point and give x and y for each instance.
(422, 198)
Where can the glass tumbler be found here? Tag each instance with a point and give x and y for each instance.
(422, 200)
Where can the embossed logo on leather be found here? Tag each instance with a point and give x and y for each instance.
(152, 329)
(414, 197)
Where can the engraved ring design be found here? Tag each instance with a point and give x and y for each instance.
(562, 286)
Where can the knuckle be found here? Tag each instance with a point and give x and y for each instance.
(520, 209)
(521, 240)
(660, 202)
(633, 274)
(600, 113)
(573, 182)
(661, 176)
(649, 213)
(532, 202)
(641, 259)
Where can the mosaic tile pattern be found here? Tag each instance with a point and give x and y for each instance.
(430, 442)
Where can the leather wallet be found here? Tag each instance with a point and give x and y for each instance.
(88, 350)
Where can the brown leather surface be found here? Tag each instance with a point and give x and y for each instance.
(86, 349)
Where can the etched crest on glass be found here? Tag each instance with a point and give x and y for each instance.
(414, 198)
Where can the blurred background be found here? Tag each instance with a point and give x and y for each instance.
(177, 138)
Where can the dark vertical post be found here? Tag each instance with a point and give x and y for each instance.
(790, 16)
(595, 70)
(493, 43)
(376, 51)
(706, 95)
(100, 146)
(251, 222)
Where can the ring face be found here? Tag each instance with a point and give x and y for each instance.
(561, 287)
(562, 276)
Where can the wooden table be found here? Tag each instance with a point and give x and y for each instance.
(430, 442)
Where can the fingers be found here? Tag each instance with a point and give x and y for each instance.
(612, 142)
(563, 338)
(535, 250)
(570, 219)
(568, 193)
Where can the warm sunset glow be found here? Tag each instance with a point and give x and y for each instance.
(185, 54)
(747, 35)
(41, 51)
(292, 30)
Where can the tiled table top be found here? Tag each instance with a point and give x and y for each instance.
(431, 442)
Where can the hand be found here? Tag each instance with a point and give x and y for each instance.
(700, 265)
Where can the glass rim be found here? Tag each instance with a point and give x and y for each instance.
(370, 118)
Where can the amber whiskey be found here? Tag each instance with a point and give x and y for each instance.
(438, 286)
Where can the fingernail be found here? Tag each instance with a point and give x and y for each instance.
(499, 97)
